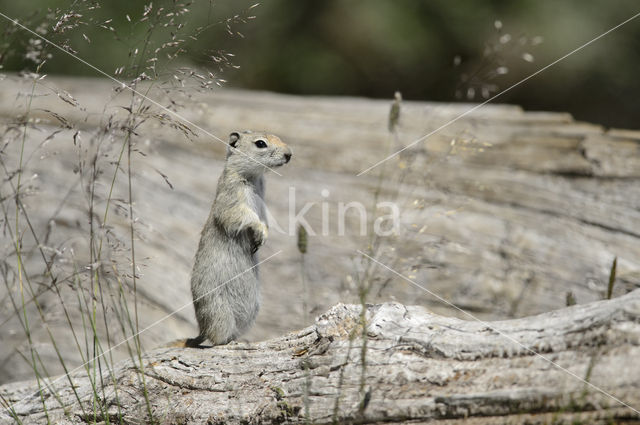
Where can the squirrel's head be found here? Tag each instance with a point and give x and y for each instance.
(251, 153)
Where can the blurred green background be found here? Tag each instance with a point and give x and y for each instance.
(428, 49)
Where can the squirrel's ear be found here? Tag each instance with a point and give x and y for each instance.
(233, 139)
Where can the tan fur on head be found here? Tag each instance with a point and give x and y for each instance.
(275, 140)
(251, 153)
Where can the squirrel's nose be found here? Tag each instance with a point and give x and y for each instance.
(287, 157)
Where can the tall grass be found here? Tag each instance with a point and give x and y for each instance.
(94, 279)
(364, 276)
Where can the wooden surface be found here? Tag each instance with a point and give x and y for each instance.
(419, 368)
(503, 212)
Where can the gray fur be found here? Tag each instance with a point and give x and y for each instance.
(226, 294)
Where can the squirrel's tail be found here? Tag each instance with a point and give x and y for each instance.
(189, 342)
(195, 342)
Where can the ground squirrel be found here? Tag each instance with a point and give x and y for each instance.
(224, 281)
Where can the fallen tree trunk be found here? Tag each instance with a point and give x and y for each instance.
(504, 212)
(575, 365)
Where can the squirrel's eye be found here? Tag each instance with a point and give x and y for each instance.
(261, 144)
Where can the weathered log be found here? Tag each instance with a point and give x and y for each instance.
(503, 213)
(575, 365)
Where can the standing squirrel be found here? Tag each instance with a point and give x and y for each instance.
(224, 281)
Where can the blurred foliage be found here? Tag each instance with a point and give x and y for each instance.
(428, 50)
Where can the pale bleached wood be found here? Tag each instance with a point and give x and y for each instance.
(419, 367)
(527, 207)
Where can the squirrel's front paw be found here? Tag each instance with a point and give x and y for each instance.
(257, 235)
